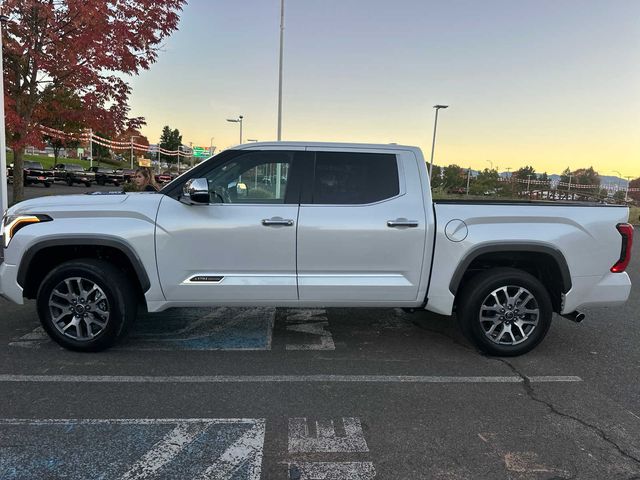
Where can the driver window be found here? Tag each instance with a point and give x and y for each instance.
(254, 177)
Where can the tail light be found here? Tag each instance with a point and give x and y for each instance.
(626, 231)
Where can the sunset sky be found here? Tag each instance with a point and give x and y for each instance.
(548, 83)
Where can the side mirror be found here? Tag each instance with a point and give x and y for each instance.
(196, 192)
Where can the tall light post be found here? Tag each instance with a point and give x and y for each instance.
(490, 163)
(132, 137)
(626, 193)
(237, 120)
(280, 71)
(529, 185)
(433, 144)
(211, 146)
(4, 198)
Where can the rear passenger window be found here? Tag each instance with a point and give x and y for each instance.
(354, 178)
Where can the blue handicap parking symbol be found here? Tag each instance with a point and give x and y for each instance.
(132, 449)
(190, 329)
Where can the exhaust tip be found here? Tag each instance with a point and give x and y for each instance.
(576, 316)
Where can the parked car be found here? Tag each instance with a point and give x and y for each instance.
(163, 177)
(107, 175)
(127, 174)
(71, 173)
(33, 173)
(353, 225)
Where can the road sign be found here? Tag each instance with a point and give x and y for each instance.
(200, 152)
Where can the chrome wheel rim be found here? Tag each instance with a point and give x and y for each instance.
(79, 309)
(509, 315)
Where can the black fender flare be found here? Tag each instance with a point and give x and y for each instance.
(91, 240)
(483, 249)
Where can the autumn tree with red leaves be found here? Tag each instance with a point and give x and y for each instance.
(84, 47)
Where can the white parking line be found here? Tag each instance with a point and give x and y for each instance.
(280, 379)
(247, 447)
(164, 451)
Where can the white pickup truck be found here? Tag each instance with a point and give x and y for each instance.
(312, 224)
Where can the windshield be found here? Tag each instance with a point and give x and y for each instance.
(75, 168)
(34, 165)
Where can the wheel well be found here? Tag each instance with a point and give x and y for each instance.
(46, 259)
(543, 266)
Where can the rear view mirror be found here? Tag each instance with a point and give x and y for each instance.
(196, 192)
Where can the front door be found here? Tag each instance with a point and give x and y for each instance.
(241, 248)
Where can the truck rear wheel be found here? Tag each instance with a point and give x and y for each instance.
(86, 305)
(505, 311)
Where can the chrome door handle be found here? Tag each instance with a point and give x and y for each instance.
(402, 223)
(277, 221)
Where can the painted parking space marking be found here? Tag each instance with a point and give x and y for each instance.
(280, 379)
(326, 439)
(189, 329)
(132, 449)
(312, 323)
(164, 451)
(332, 471)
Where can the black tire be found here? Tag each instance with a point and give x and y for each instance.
(87, 184)
(69, 182)
(47, 184)
(506, 281)
(120, 304)
(100, 181)
(116, 184)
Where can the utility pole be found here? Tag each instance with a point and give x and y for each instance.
(468, 179)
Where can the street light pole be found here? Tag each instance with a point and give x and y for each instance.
(468, 179)
(132, 137)
(237, 120)
(529, 185)
(4, 198)
(280, 71)
(433, 144)
(490, 163)
(626, 193)
(211, 146)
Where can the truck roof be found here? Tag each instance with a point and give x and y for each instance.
(378, 146)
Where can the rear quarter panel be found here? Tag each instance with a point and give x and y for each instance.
(585, 235)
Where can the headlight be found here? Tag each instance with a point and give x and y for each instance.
(12, 223)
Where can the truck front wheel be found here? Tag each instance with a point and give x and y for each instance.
(86, 304)
(505, 311)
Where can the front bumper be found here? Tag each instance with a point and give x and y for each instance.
(9, 287)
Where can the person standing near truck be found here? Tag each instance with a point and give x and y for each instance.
(144, 180)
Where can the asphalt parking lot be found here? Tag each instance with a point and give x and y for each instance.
(313, 394)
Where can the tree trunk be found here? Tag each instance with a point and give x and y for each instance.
(18, 175)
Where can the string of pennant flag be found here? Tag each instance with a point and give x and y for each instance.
(87, 135)
(567, 185)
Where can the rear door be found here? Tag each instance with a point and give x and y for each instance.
(361, 228)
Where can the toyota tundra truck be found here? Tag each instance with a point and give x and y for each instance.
(338, 225)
